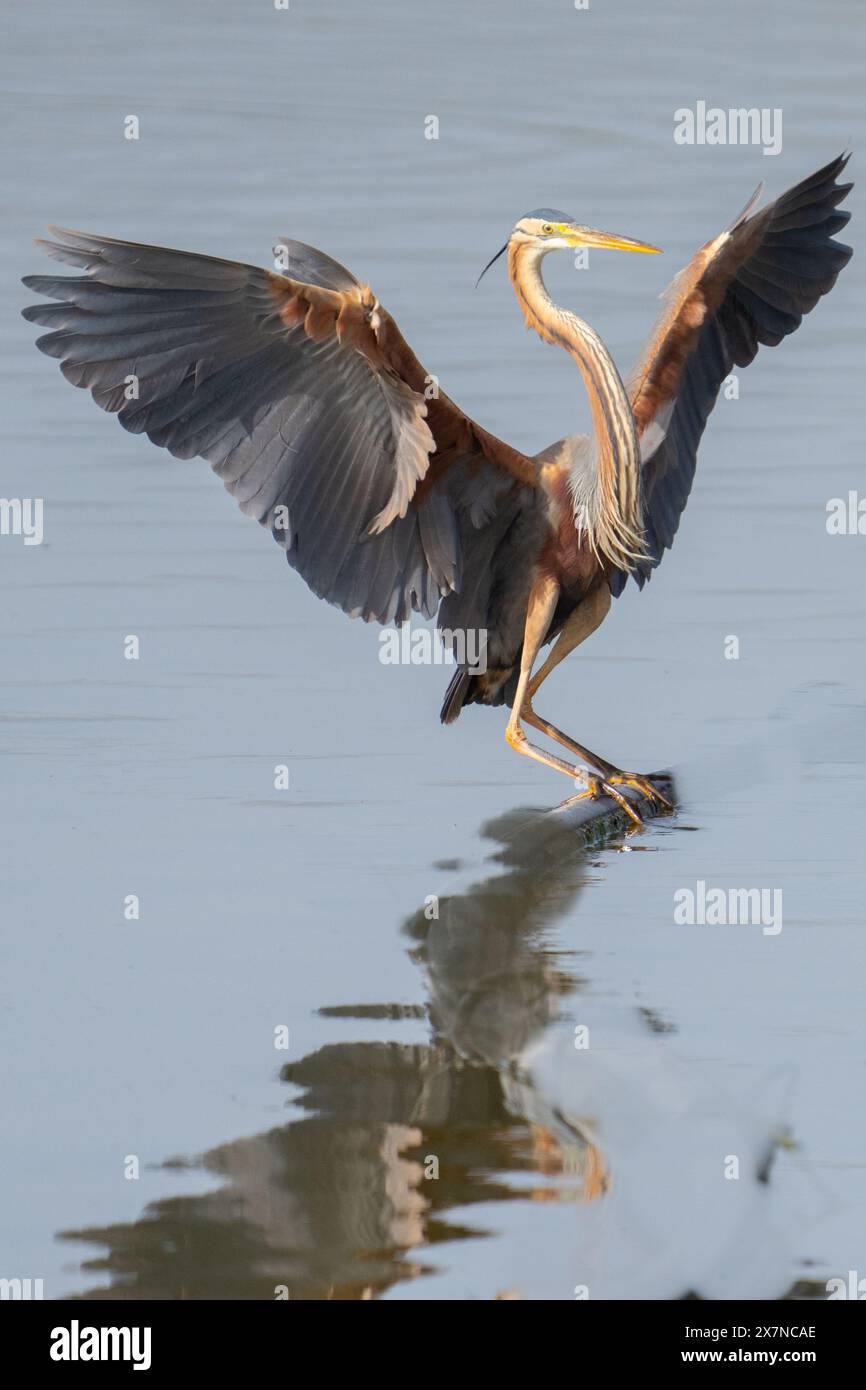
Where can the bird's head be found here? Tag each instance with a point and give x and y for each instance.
(546, 230)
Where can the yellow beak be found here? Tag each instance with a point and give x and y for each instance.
(588, 236)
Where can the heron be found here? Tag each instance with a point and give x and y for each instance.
(299, 389)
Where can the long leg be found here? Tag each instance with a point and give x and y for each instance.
(539, 614)
(581, 624)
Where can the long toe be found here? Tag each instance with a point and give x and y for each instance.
(642, 784)
(623, 802)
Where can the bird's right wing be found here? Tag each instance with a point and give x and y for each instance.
(303, 395)
(750, 285)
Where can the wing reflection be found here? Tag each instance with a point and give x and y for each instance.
(396, 1151)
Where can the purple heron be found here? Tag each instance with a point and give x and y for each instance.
(299, 389)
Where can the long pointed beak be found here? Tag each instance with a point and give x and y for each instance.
(490, 263)
(589, 236)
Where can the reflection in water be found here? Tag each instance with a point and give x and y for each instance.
(401, 1148)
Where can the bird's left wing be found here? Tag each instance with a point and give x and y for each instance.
(303, 395)
(749, 286)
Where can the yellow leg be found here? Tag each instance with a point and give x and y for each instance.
(540, 611)
(613, 776)
(581, 624)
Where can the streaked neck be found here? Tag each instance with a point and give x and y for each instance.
(608, 505)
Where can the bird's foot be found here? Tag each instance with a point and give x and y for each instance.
(609, 784)
(641, 784)
(597, 787)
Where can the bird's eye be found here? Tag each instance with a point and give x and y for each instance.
(547, 229)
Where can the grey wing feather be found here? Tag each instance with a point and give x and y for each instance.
(287, 423)
(307, 263)
(779, 281)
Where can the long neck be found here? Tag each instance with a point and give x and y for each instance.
(608, 500)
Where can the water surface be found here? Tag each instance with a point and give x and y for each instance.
(412, 1037)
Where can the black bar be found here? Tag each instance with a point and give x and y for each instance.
(247, 1335)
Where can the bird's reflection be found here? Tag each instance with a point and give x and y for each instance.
(396, 1150)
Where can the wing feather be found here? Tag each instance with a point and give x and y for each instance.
(749, 286)
(303, 395)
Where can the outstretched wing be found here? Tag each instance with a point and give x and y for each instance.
(751, 285)
(302, 394)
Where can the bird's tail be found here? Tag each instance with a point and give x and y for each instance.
(495, 686)
(455, 695)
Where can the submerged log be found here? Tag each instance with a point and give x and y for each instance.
(596, 822)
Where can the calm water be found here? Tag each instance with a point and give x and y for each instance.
(421, 1045)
